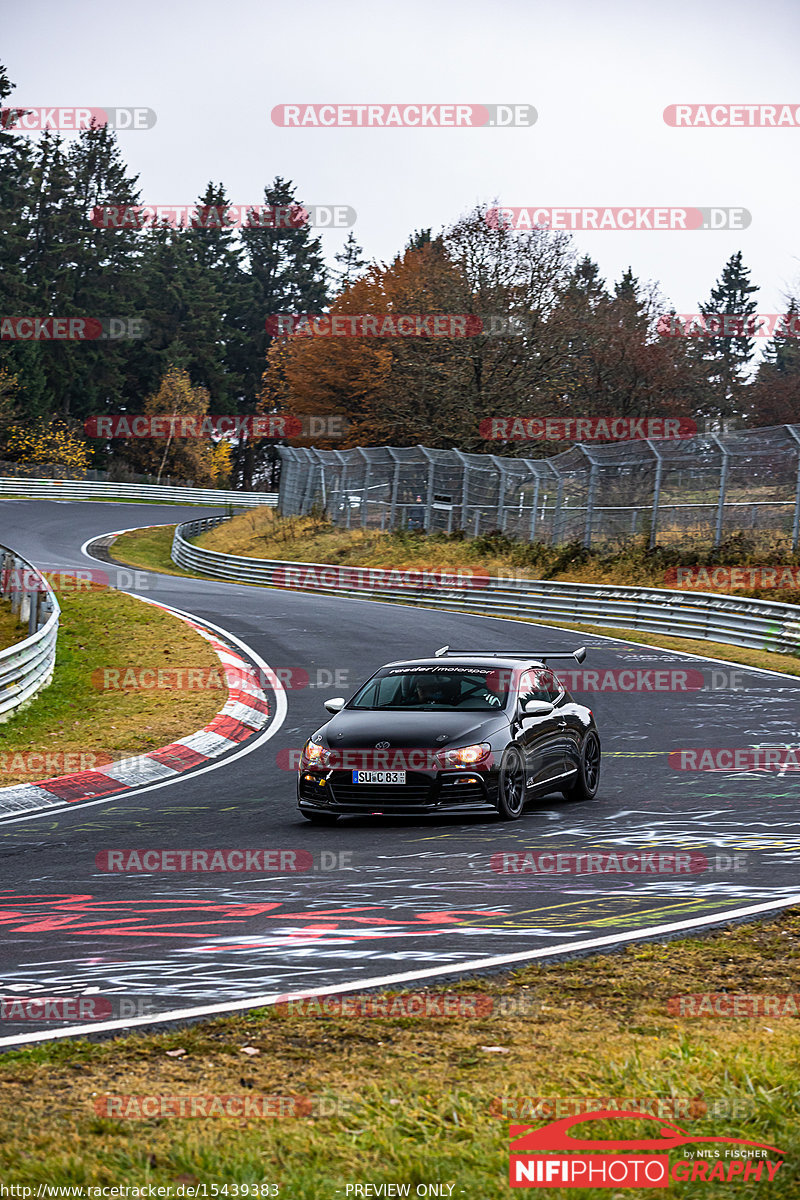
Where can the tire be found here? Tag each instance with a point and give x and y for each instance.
(511, 786)
(587, 780)
(320, 818)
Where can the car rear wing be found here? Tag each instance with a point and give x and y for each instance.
(578, 655)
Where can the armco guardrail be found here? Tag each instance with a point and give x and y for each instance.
(76, 489)
(756, 624)
(27, 666)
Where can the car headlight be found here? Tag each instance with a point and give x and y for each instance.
(315, 755)
(466, 756)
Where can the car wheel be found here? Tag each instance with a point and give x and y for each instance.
(511, 790)
(587, 780)
(320, 818)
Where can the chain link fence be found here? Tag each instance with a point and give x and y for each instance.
(699, 489)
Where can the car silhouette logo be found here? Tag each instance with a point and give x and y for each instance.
(556, 1136)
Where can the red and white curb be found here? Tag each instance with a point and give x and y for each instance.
(246, 712)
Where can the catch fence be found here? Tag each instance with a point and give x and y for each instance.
(700, 489)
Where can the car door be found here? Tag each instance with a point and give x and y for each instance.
(575, 726)
(541, 738)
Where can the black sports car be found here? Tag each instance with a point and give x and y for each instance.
(459, 732)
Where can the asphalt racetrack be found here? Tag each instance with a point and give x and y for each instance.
(386, 899)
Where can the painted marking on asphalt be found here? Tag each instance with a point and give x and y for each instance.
(477, 964)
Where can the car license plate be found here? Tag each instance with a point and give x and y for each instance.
(379, 776)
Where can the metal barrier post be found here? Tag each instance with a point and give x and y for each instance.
(796, 520)
(365, 492)
(558, 512)
(533, 508)
(656, 493)
(429, 498)
(395, 486)
(464, 486)
(723, 479)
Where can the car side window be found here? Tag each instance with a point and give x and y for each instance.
(530, 687)
(551, 685)
(538, 684)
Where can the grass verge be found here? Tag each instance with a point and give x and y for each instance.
(11, 628)
(421, 1100)
(263, 533)
(149, 549)
(77, 721)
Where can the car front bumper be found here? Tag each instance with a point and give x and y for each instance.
(334, 791)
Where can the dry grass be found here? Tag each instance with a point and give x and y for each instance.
(422, 1099)
(11, 629)
(103, 629)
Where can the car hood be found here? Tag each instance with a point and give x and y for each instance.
(353, 729)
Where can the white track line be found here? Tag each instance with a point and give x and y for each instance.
(271, 729)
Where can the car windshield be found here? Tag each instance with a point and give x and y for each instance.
(435, 688)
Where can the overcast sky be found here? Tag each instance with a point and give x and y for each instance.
(599, 73)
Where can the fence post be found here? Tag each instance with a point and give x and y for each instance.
(16, 593)
(533, 509)
(656, 493)
(501, 491)
(558, 511)
(796, 521)
(395, 486)
(33, 615)
(429, 498)
(587, 530)
(321, 461)
(464, 487)
(723, 480)
(364, 494)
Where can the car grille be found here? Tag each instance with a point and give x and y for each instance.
(462, 793)
(416, 793)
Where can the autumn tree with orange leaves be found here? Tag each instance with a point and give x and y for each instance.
(554, 342)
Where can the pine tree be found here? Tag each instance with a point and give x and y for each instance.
(352, 263)
(775, 395)
(284, 273)
(15, 165)
(724, 358)
(418, 239)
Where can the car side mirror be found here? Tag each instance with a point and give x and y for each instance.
(537, 708)
(335, 705)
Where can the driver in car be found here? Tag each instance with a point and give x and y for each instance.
(433, 689)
